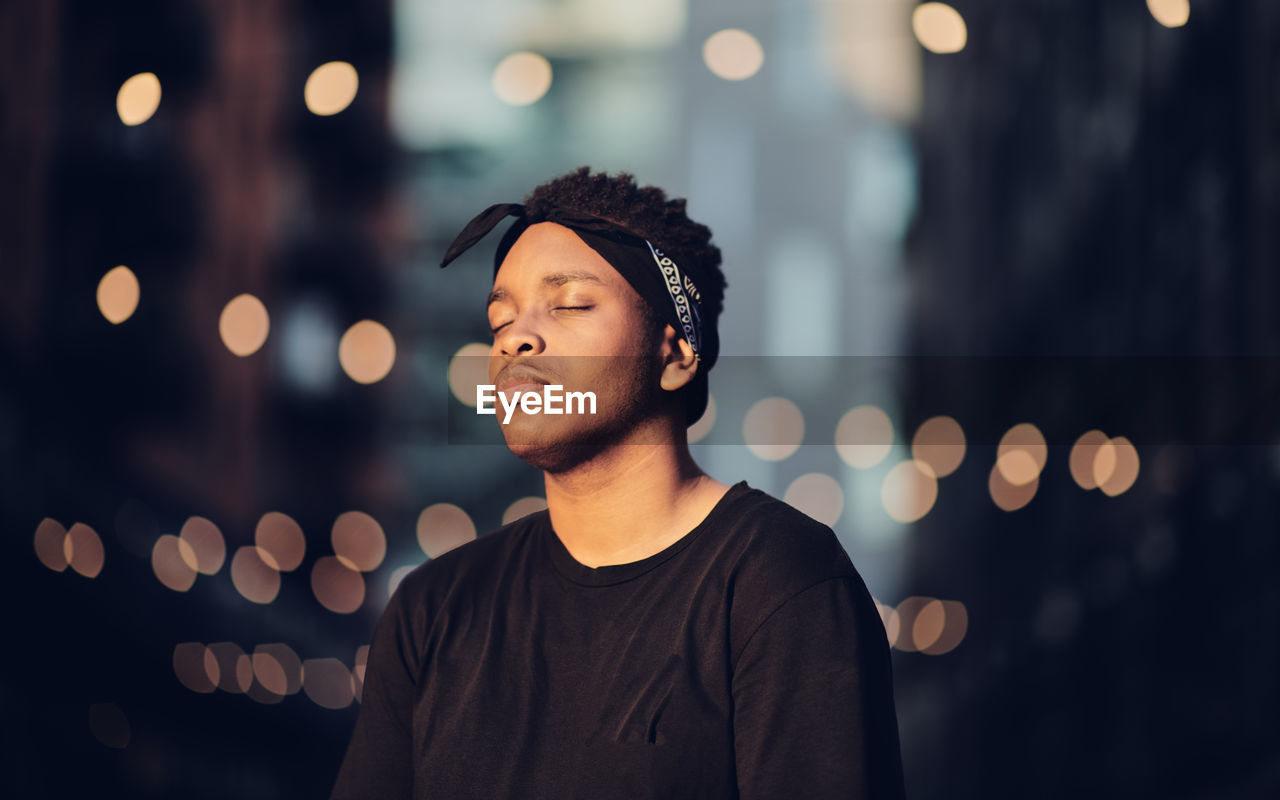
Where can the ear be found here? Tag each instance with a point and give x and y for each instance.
(679, 363)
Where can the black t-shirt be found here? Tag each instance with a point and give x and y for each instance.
(745, 660)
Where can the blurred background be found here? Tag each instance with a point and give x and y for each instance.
(228, 356)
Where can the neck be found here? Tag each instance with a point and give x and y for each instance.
(630, 501)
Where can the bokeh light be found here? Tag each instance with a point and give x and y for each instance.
(733, 54)
(397, 576)
(817, 495)
(118, 294)
(908, 613)
(700, 429)
(1082, 459)
(337, 586)
(940, 627)
(280, 539)
(939, 27)
(523, 508)
(196, 667)
(244, 324)
(234, 670)
(522, 79)
(1125, 470)
(50, 544)
(773, 429)
(367, 351)
(328, 682)
(278, 668)
(330, 88)
(892, 626)
(442, 527)
(863, 436)
(138, 98)
(468, 369)
(1022, 454)
(206, 543)
(940, 443)
(253, 576)
(82, 549)
(109, 725)
(358, 541)
(174, 563)
(909, 490)
(1170, 13)
(1009, 496)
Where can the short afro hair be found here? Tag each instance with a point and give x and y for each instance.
(649, 213)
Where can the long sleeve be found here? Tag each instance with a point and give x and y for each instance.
(378, 762)
(813, 700)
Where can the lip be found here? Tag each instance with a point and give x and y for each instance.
(520, 377)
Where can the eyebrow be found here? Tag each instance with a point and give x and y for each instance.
(554, 279)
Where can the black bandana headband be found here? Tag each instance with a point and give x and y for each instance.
(654, 275)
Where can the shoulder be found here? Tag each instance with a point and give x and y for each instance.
(781, 548)
(468, 566)
(775, 553)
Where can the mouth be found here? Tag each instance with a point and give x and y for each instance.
(520, 379)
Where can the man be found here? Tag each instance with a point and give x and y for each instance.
(654, 633)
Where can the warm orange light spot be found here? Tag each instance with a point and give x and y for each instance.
(909, 491)
(280, 536)
(732, 54)
(1170, 13)
(817, 495)
(330, 88)
(442, 527)
(1082, 459)
(328, 682)
(892, 625)
(358, 539)
(244, 325)
(174, 563)
(908, 612)
(940, 443)
(1126, 468)
(278, 668)
(138, 98)
(207, 547)
(234, 670)
(337, 587)
(468, 368)
(939, 28)
(83, 550)
(523, 508)
(118, 294)
(863, 436)
(254, 578)
(521, 79)
(1022, 454)
(952, 619)
(773, 429)
(1007, 495)
(699, 430)
(195, 667)
(367, 351)
(50, 544)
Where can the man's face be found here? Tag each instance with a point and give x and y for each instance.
(560, 314)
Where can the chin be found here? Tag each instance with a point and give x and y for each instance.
(556, 447)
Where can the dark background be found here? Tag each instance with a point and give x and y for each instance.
(1080, 180)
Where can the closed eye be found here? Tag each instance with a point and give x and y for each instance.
(573, 308)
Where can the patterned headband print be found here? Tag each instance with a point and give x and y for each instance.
(684, 295)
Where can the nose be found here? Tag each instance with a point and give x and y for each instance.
(519, 338)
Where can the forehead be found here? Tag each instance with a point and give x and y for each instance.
(549, 253)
